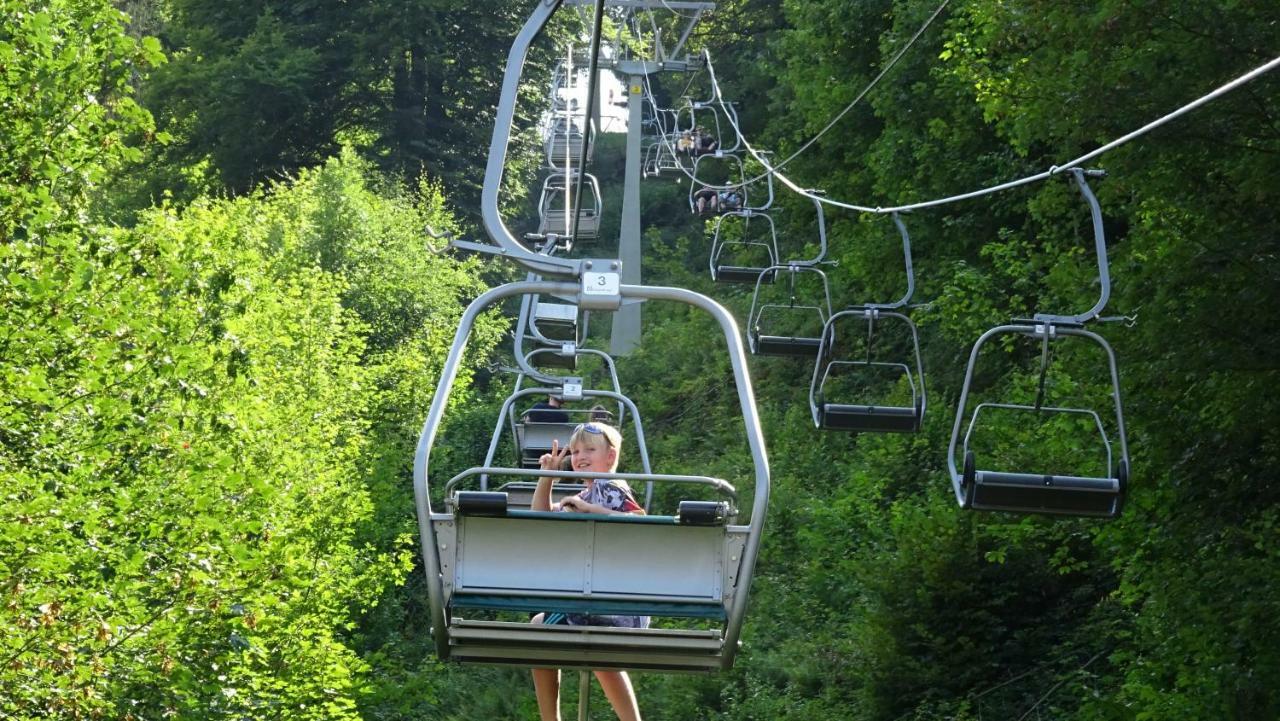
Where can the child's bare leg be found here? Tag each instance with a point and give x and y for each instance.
(617, 688)
(546, 686)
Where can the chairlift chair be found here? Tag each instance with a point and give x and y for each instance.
(557, 334)
(1051, 493)
(482, 555)
(734, 168)
(687, 119)
(554, 217)
(864, 417)
(564, 143)
(766, 336)
(723, 249)
(1036, 492)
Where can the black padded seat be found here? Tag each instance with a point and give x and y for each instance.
(1040, 493)
(742, 274)
(881, 419)
(786, 345)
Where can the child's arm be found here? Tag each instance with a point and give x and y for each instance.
(580, 505)
(552, 461)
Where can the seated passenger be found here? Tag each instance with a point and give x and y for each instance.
(709, 200)
(706, 200)
(548, 411)
(704, 144)
(592, 447)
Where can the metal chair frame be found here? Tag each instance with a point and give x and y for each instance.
(1055, 494)
(722, 273)
(762, 343)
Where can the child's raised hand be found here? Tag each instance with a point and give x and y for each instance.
(554, 460)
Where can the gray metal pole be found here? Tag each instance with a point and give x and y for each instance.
(584, 694)
(626, 321)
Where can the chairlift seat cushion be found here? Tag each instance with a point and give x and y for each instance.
(703, 513)
(742, 274)
(1037, 493)
(786, 345)
(882, 419)
(482, 503)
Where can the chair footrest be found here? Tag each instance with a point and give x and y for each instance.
(785, 345)
(742, 274)
(525, 644)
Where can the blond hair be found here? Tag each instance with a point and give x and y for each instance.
(610, 434)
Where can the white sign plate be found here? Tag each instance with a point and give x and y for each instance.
(601, 283)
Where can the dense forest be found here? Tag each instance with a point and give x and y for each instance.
(222, 325)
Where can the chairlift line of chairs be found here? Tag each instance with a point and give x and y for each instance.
(487, 553)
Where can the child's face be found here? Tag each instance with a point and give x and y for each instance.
(593, 453)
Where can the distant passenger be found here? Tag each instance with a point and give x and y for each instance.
(548, 411)
(704, 144)
(708, 200)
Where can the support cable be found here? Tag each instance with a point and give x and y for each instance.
(588, 135)
(840, 115)
(1053, 170)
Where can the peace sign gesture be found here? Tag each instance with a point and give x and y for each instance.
(554, 460)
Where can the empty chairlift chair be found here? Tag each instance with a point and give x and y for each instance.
(839, 357)
(1038, 492)
(738, 256)
(846, 414)
(1034, 491)
(564, 143)
(793, 328)
(555, 217)
(555, 330)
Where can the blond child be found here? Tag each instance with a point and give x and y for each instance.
(593, 447)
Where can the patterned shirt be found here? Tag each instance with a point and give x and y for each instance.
(613, 495)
